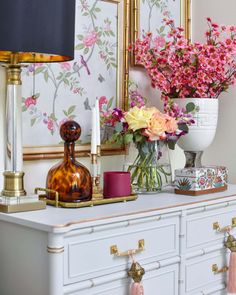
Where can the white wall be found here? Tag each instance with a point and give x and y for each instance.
(223, 149)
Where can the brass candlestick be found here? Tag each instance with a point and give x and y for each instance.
(97, 192)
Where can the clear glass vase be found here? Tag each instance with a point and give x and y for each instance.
(151, 170)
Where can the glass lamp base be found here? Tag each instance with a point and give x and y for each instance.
(21, 204)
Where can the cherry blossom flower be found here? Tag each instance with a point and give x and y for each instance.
(90, 39)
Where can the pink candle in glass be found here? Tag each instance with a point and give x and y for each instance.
(116, 184)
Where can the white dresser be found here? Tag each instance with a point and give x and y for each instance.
(67, 251)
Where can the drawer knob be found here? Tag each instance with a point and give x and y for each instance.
(228, 228)
(216, 270)
(114, 250)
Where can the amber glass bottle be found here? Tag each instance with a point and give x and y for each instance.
(70, 178)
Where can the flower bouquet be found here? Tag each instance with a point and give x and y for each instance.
(180, 69)
(152, 132)
(191, 72)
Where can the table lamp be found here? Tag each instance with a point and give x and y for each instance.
(31, 31)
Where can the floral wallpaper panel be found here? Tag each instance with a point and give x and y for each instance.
(54, 93)
(153, 11)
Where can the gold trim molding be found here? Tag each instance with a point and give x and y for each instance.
(55, 250)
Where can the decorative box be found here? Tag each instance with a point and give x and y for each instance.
(199, 181)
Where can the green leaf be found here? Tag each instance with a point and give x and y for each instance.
(109, 104)
(138, 137)
(65, 113)
(24, 109)
(71, 110)
(32, 122)
(39, 70)
(68, 74)
(36, 95)
(46, 76)
(79, 46)
(171, 145)
(162, 28)
(190, 107)
(183, 127)
(97, 9)
(66, 81)
(86, 50)
(80, 37)
(53, 117)
(118, 127)
(128, 138)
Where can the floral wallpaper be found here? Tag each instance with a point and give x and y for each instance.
(55, 93)
(153, 11)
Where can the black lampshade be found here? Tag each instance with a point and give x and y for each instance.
(39, 30)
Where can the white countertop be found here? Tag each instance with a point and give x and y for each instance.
(61, 220)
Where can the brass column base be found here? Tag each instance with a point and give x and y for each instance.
(13, 184)
(13, 197)
(21, 204)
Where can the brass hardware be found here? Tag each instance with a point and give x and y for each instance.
(55, 250)
(228, 228)
(38, 189)
(231, 243)
(13, 184)
(114, 250)
(136, 272)
(216, 270)
(234, 222)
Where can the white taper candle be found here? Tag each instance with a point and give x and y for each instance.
(98, 132)
(94, 132)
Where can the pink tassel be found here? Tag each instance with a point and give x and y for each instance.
(232, 273)
(137, 289)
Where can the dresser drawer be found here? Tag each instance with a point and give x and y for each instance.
(163, 281)
(200, 231)
(199, 273)
(88, 255)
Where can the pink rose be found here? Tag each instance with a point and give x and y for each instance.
(30, 101)
(171, 124)
(102, 100)
(65, 66)
(90, 39)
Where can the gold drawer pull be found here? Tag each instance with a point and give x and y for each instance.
(218, 228)
(216, 270)
(114, 250)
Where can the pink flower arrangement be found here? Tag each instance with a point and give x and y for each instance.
(180, 69)
(140, 123)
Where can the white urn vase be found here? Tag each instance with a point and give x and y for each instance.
(202, 132)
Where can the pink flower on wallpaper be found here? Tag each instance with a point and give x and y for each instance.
(159, 41)
(77, 90)
(102, 101)
(90, 39)
(30, 101)
(50, 124)
(65, 66)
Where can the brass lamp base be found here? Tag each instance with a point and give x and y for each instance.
(21, 204)
(13, 184)
(13, 197)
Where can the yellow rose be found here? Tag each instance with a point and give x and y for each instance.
(138, 118)
(157, 127)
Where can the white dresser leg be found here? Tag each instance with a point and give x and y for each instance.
(55, 251)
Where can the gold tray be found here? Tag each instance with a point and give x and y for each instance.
(98, 200)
